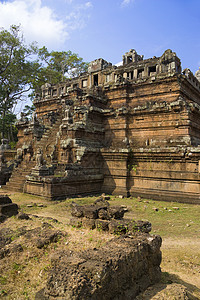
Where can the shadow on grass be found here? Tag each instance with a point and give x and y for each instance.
(168, 279)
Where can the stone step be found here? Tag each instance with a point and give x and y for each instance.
(14, 186)
(14, 180)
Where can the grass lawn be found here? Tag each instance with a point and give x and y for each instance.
(178, 224)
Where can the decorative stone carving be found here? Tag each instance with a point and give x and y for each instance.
(131, 56)
(197, 74)
(4, 170)
(40, 169)
(39, 158)
(23, 118)
(2, 159)
(34, 118)
(4, 145)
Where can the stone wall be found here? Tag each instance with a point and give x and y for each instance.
(123, 124)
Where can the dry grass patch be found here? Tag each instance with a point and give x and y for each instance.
(23, 273)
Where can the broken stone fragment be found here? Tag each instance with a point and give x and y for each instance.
(101, 201)
(88, 223)
(90, 212)
(75, 222)
(47, 238)
(117, 227)
(103, 214)
(102, 224)
(77, 211)
(4, 199)
(116, 212)
(139, 226)
(2, 218)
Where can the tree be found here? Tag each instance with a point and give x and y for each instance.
(25, 69)
(61, 65)
(16, 69)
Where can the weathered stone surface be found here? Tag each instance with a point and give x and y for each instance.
(119, 270)
(9, 210)
(108, 131)
(116, 212)
(139, 226)
(2, 218)
(102, 201)
(118, 227)
(77, 211)
(75, 222)
(88, 223)
(90, 212)
(103, 214)
(102, 225)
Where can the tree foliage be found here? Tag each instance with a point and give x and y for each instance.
(16, 70)
(57, 66)
(24, 69)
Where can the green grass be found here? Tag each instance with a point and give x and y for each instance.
(165, 222)
(176, 225)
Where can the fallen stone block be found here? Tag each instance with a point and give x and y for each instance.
(103, 214)
(90, 212)
(118, 227)
(102, 201)
(116, 212)
(121, 269)
(75, 222)
(88, 223)
(138, 226)
(23, 216)
(102, 225)
(2, 218)
(77, 211)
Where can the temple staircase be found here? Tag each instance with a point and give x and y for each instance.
(48, 141)
(47, 144)
(18, 177)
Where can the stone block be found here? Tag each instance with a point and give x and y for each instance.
(77, 211)
(116, 212)
(117, 227)
(90, 212)
(138, 226)
(102, 225)
(88, 223)
(121, 269)
(75, 222)
(2, 218)
(103, 214)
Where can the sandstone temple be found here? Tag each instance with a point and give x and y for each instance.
(129, 130)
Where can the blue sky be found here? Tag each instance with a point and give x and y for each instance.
(109, 28)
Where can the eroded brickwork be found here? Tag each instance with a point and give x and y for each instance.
(132, 129)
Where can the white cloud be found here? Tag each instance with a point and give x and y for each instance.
(77, 19)
(126, 2)
(40, 23)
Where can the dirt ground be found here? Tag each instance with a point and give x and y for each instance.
(179, 229)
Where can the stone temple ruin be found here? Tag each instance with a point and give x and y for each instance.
(129, 130)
